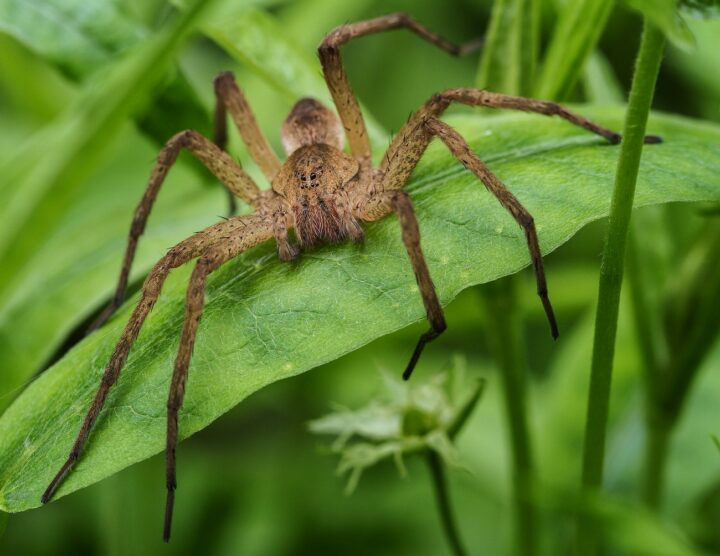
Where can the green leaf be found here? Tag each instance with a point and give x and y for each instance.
(81, 37)
(701, 8)
(511, 47)
(40, 180)
(665, 15)
(600, 84)
(576, 35)
(56, 288)
(265, 320)
(39, 200)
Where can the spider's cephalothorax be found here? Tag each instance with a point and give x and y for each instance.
(319, 191)
(315, 176)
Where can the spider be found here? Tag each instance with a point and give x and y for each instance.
(319, 191)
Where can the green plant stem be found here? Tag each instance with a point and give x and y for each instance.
(442, 495)
(611, 271)
(506, 338)
(655, 458)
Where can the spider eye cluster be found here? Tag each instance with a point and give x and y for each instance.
(309, 179)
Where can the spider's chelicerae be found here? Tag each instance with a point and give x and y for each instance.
(319, 191)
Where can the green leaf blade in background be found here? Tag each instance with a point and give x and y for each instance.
(664, 14)
(58, 287)
(510, 49)
(77, 35)
(266, 320)
(41, 183)
(81, 37)
(52, 166)
(577, 32)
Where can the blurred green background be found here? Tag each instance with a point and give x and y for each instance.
(257, 482)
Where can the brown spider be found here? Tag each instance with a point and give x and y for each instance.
(319, 191)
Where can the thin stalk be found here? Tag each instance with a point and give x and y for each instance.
(611, 271)
(506, 337)
(655, 458)
(442, 495)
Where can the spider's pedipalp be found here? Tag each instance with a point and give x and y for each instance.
(314, 183)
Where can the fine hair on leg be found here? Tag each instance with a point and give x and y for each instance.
(257, 230)
(462, 151)
(218, 162)
(337, 80)
(177, 256)
(378, 205)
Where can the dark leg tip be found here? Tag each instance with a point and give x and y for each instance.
(470, 46)
(653, 139)
(615, 138)
(44, 499)
(222, 77)
(169, 504)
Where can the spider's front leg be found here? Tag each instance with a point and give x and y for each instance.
(395, 173)
(177, 256)
(339, 84)
(256, 229)
(378, 205)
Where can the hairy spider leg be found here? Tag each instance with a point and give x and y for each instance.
(217, 161)
(400, 166)
(379, 205)
(438, 103)
(254, 230)
(177, 256)
(339, 84)
(230, 98)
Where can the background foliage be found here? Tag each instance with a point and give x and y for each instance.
(90, 101)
